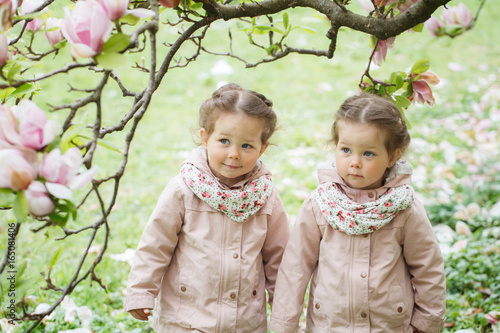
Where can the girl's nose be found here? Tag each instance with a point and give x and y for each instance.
(233, 153)
(355, 163)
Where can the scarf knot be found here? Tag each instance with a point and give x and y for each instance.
(238, 205)
(353, 218)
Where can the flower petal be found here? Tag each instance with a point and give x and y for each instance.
(58, 190)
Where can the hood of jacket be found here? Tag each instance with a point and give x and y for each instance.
(399, 174)
(198, 158)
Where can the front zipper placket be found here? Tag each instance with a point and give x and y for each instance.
(222, 282)
(351, 285)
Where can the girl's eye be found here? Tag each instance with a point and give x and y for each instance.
(246, 145)
(224, 141)
(346, 150)
(369, 154)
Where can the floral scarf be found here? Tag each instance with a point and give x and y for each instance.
(238, 205)
(354, 218)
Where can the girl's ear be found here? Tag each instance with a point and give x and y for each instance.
(203, 136)
(263, 148)
(395, 157)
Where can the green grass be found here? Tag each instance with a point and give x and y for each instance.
(306, 91)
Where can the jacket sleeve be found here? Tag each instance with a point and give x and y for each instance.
(299, 261)
(426, 266)
(155, 249)
(278, 232)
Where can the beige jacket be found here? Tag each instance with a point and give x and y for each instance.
(200, 270)
(386, 281)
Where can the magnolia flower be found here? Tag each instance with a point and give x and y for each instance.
(4, 49)
(53, 31)
(16, 172)
(61, 172)
(460, 15)
(26, 125)
(434, 26)
(422, 92)
(7, 8)
(116, 9)
(86, 28)
(381, 52)
(71, 310)
(29, 6)
(39, 202)
(454, 17)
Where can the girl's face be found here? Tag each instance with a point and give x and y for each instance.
(234, 146)
(361, 156)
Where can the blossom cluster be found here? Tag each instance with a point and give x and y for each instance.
(454, 21)
(86, 26)
(32, 167)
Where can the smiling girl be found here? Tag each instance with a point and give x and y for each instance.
(362, 239)
(213, 245)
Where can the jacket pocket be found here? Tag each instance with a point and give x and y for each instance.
(398, 308)
(328, 303)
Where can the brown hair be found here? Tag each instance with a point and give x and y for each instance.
(372, 109)
(232, 98)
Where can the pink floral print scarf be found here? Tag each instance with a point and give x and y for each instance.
(354, 218)
(238, 205)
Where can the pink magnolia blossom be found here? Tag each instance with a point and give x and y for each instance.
(8, 8)
(422, 92)
(86, 28)
(433, 25)
(16, 172)
(4, 49)
(28, 6)
(61, 172)
(53, 31)
(26, 125)
(381, 52)
(39, 201)
(460, 15)
(116, 9)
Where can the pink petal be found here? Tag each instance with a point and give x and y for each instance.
(141, 12)
(82, 51)
(39, 201)
(51, 165)
(82, 179)
(367, 5)
(15, 172)
(58, 190)
(433, 24)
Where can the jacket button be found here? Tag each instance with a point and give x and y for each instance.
(317, 306)
(371, 195)
(235, 255)
(183, 288)
(363, 275)
(365, 235)
(254, 292)
(233, 295)
(363, 314)
(400, 309)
